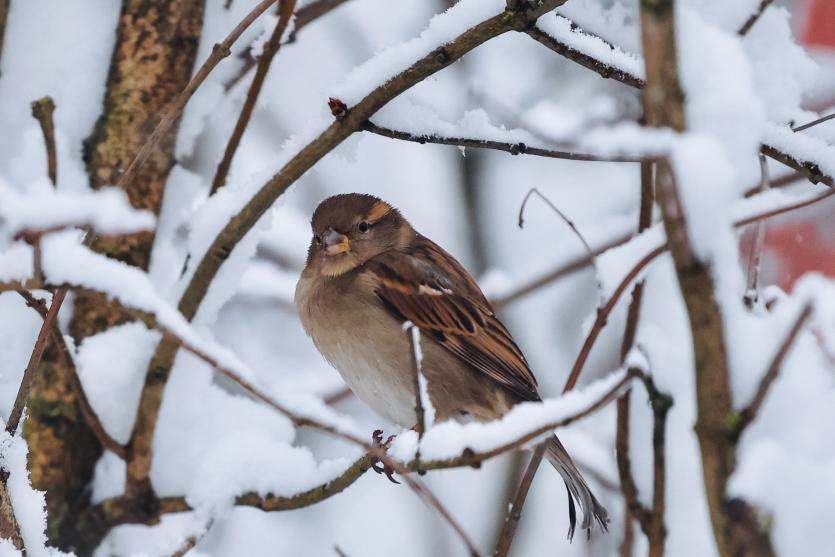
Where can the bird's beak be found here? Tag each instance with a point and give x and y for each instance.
(335, 243)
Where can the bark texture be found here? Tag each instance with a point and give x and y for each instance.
(156, 45)
(735, 532)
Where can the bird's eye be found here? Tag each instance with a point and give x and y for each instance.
(363, 226)
(317, 239)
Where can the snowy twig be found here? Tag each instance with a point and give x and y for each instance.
(749, 23)
(748, 414)
(90, 416)
(752, 288)
(809, 169)
(603, 316)
(219, 52)
(42, 110)
(285, 12)
(514, 513)
(512, 148)
(584, 59)
(35, 360)
(304, 16)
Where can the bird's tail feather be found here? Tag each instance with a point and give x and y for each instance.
(577, 489)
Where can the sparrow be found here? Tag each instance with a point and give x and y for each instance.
(368, 272)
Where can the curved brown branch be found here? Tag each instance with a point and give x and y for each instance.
(219, 52)
(285, 12)
(603, 316)
(512, 148)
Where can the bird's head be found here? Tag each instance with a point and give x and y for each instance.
(350, 229)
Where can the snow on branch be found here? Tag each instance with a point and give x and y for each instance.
(106, 210)
(453, 444)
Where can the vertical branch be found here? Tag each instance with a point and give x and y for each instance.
(514, 513)
(634, 508)
(752, 286)
(42, 110)
(285, 12)
(664, 107)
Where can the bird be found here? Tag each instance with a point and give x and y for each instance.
(368, 272)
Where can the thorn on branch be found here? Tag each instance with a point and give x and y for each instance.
(42, 111)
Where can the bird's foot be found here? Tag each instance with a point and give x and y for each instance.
(377, 441)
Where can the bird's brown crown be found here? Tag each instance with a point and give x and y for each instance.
(349, 229)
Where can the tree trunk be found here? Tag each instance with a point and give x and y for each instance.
(152, 61)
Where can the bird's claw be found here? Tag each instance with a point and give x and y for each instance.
(377, 440)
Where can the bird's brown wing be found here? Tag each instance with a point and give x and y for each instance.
(427, 286)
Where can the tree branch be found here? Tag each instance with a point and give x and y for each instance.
(748, 414)
(219, 52)
(42, 110)
(809, 169)
(87, 411)
(285, 12)
(752, 286)
(749, 23)
(512, 148)
(585, 60)
(34, 360)
(514, 513)
(305, 15)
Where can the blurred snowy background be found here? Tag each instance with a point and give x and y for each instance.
(467, 200)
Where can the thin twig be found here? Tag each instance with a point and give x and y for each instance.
(339, 552)
(219, 52)
(749, 23)
(192, 541)
(514, 513)
(752, 289)
(512, 148)
(809, 169)
(90, 416)
(808, 125)
(781, 182)
(570, 223)
(285, 12)
(35, 360)
(585, 60)
(634, 507)
(42, 110)
(305, 15)
(603, 315)
(748, 414)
